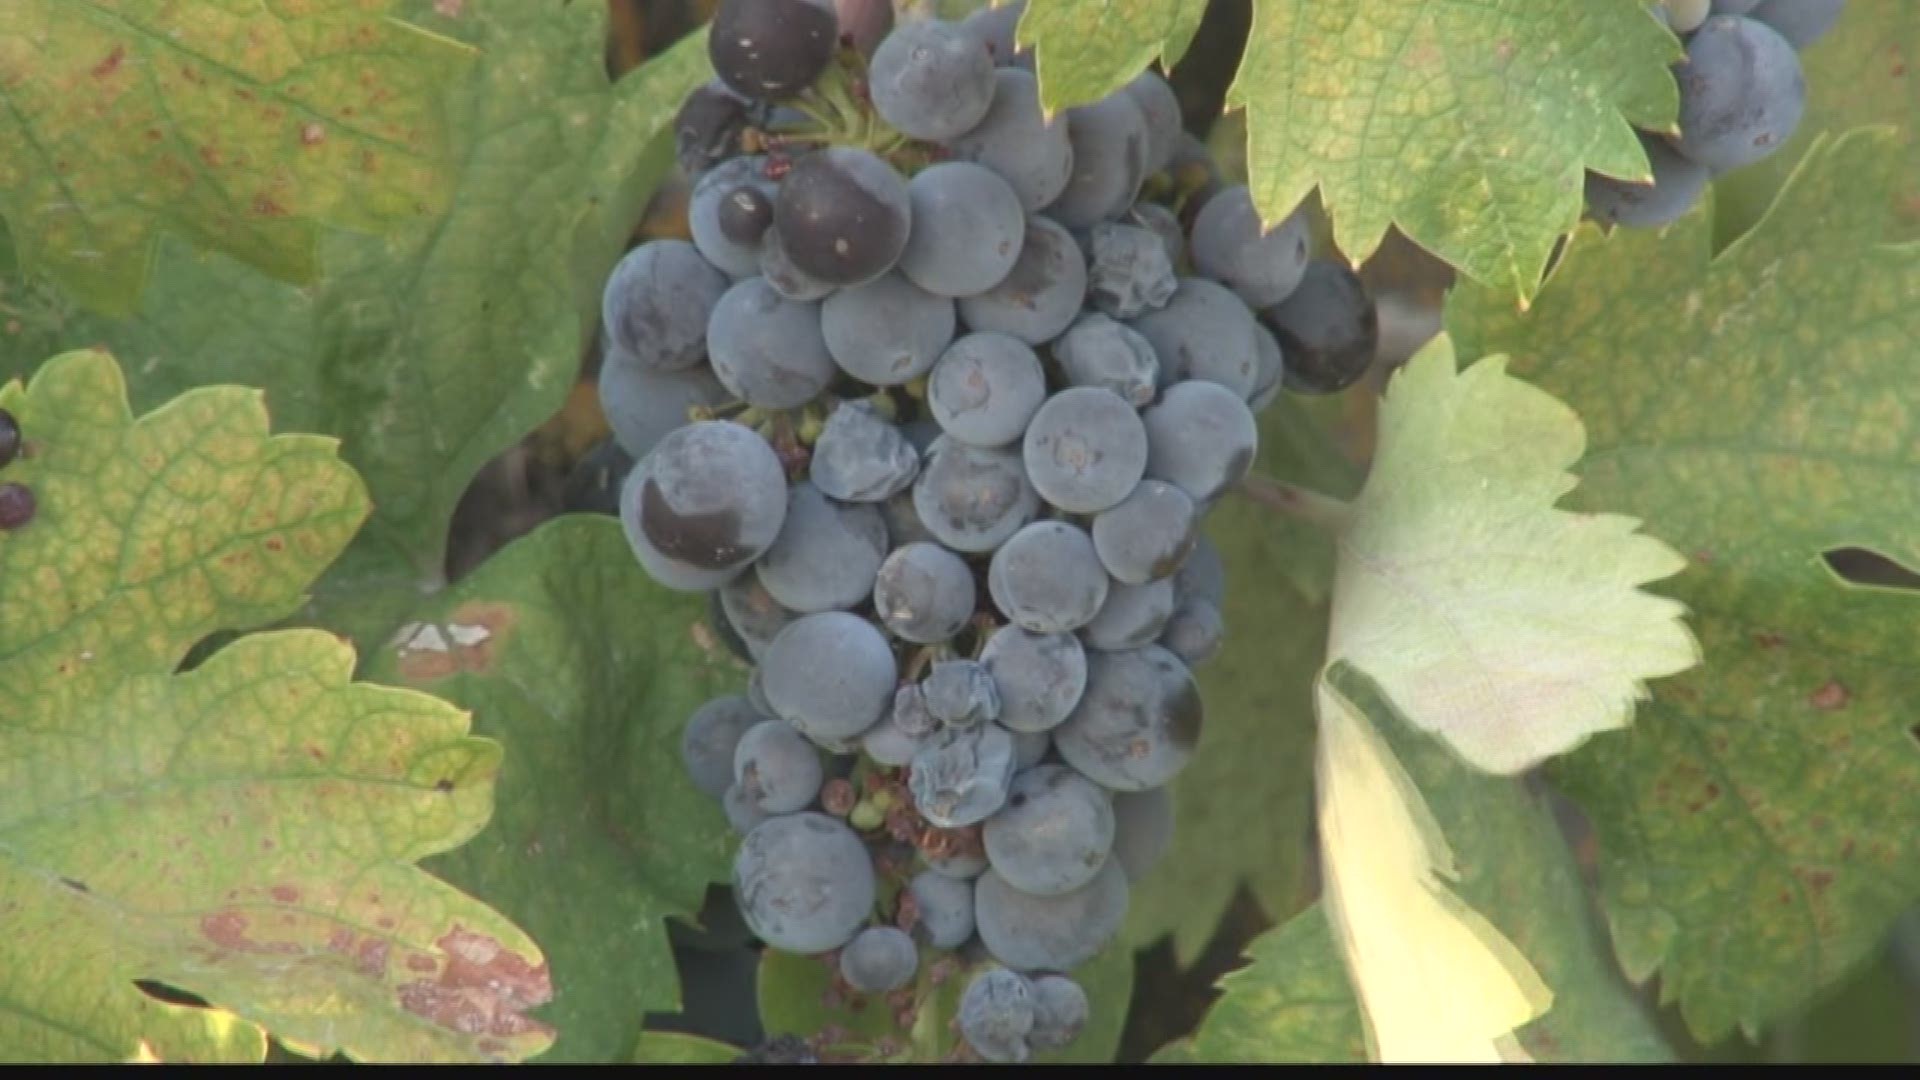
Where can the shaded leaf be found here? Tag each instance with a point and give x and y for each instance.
(240, 127)
(245, 832)
(570, 656)
(429, 353)
(1754, 410)
(1294, 1003)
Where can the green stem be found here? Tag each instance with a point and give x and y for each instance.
(1301, 504)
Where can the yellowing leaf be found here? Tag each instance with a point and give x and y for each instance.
(1086, 49)
(1467, 123)
(246, 831)
(1511, 629)
(241, 125)
(1436, 982)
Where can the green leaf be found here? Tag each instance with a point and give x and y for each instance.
(1753, 410)
(1087, 50)
(797, 997)
(1467, 123)
(241, 127)
(674, 1048)
(1511, 629)
(1242, 804)
(1293, 1002)
(570, 656)
(1856, 76)
(246, 831)
(430, 353)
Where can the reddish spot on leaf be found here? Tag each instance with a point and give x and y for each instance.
(312, 134)
(111, 64)
(484, 989)
(228, 930)
(1703, 556)
(1834, 695)
(1708, 796)
(371, 959)
(421, 962)
(266, 206)
(286, 894)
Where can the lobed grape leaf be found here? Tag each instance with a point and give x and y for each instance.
(797, 997)
(1753, 409)
(1856, 75)
(585, 670)
(1242, 804)
(1293, 1001)
(240, 126)
(430, 352)
(247, 831)
(1511, 629)
(1467, 123)
(1087, 50)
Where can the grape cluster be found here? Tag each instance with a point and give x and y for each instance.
(1742, 94)
(933, 405)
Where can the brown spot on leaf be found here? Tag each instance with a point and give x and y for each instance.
(76, 886)
(1830, 697)
(227, 929)
(421, 962)
(484, 989)
(312, 134)
(266, 206)
(1767, 639)
(286, 894)
(112, 62)
(443, 785)
(371, 958)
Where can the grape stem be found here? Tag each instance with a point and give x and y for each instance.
(1299, 503)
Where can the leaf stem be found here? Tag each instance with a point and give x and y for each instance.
(1299, 503)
